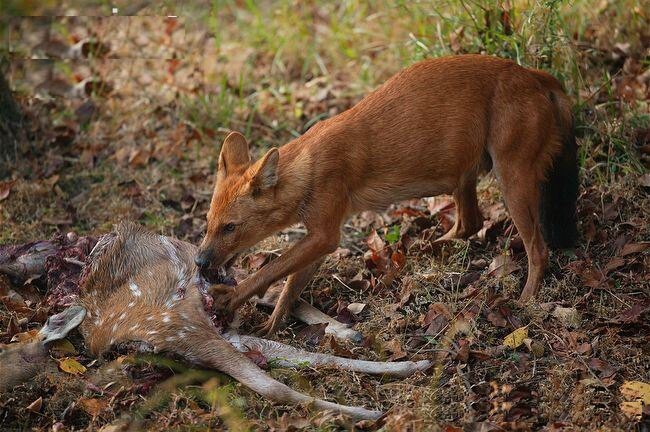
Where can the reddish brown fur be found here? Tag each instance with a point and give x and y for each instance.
(430, 129)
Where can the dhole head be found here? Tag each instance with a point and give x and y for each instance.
(243, 210)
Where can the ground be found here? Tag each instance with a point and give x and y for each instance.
(126, 122)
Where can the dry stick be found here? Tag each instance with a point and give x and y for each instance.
(338, 279)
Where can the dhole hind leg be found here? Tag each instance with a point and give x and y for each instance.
(520, 187)
(469, 219)
(295, 284)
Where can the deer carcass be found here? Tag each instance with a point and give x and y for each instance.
(138, 286)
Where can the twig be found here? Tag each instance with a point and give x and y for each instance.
(74, 261)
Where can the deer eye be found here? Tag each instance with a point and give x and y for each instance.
(228, 228)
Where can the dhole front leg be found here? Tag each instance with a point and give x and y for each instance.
(296, 283)
(304, 253)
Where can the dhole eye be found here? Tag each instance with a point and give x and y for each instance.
(228, 228)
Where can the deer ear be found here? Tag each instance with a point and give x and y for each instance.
(58, 326)
(265, 171)
(234, 154)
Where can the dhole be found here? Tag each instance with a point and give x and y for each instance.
(430, 129)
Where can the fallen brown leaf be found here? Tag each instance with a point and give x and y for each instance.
(35, 406)
(14, 302)
(338, 349)
(5, 188)
(287, 423)
(312, 334)
(345, 315)
(258, 358)
(374, 242)
(436, 319)
(614, 264)
(536, 348)
(497, 319)
(632, 248)
(606, 370)
(395, 348)
(633, 314)
(93, 407)
(502, 265)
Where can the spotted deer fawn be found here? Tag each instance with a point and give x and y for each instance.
(138, 286)
(431, 129)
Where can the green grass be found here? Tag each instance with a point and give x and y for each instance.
(368, 42)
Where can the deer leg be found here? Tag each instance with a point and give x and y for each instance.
(307, 313)
(217, 353)
(288, 356)
(26, 260)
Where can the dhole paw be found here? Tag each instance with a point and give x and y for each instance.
(222, 296)
(233, 300)
(220, 290)
(230, 298)
(525, 299)
(269, 328)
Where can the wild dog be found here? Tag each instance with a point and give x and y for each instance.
(431, 129)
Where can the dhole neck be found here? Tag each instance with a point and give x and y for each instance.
(294, 177)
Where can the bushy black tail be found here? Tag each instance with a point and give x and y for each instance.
(559, 194)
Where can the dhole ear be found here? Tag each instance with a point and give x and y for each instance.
(265, 173)
(234, 154)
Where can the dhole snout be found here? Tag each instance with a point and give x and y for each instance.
(210, 255)
(214, 270)
(204, 258)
